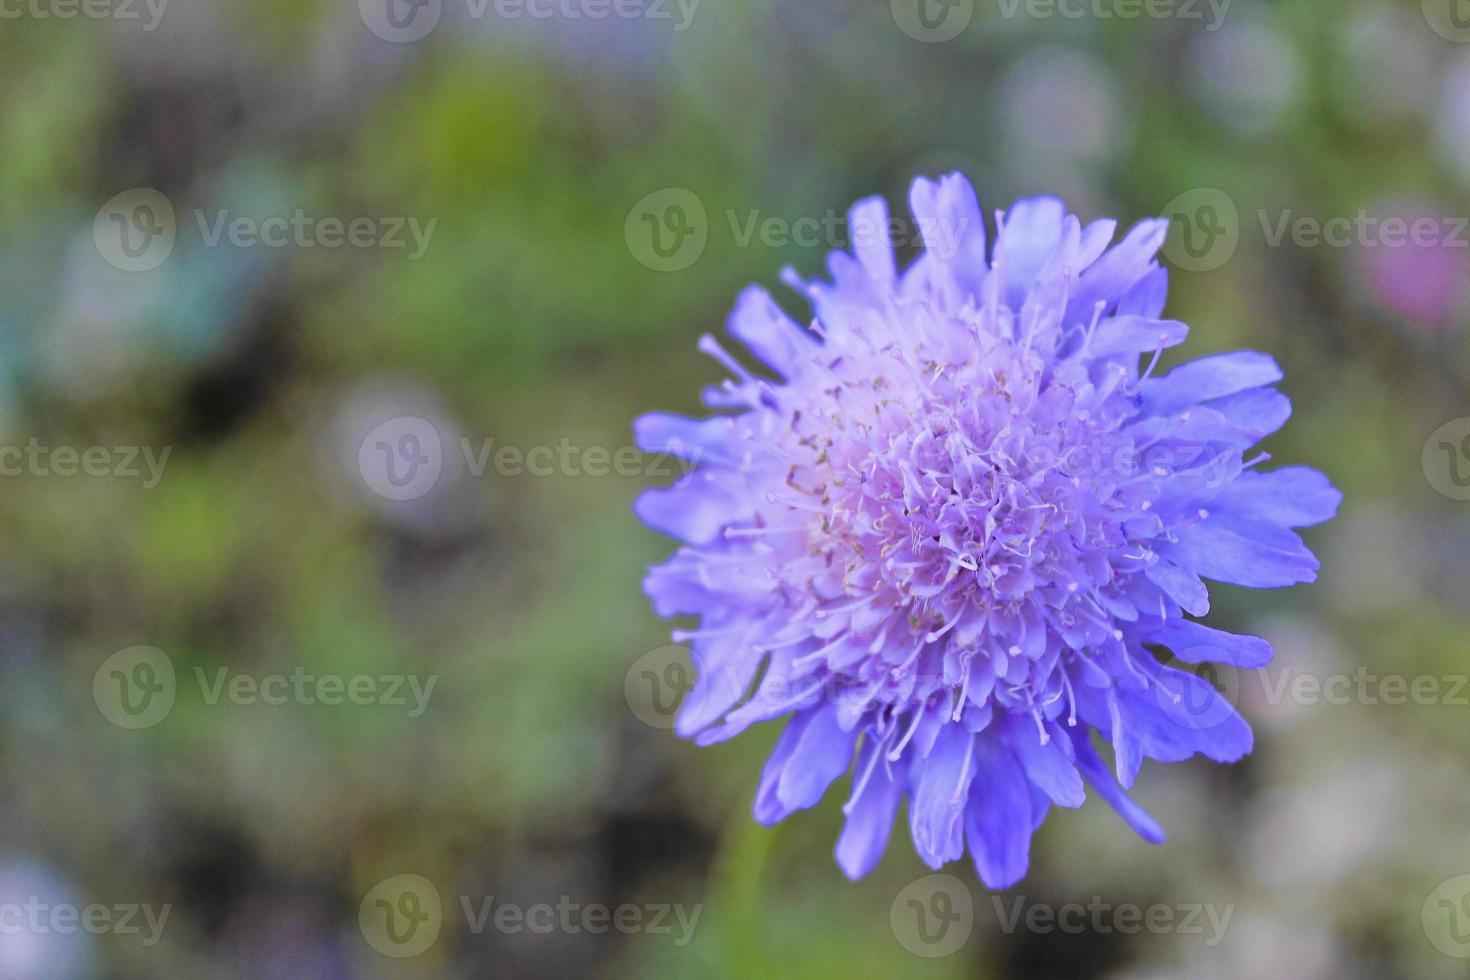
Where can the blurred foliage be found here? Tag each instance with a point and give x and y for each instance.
(531, 320)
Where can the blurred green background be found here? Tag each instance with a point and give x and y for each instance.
(539, 313)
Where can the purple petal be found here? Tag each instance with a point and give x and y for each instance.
(726, 667)
(1118, 270)
(768, 807)
(695, 511)
(867, 227)
(998, 823)
(1181, 585)
(1184, 715)
(1028, 235)
(937, 809)
(1135, 335)
(709, 440)
(1209, 377)
(1095, 239)
(823, 754)
(1147, 296)
(1097, 774)
(949, 218)
(1243, 552)
(1259, 411)
(761, 325)
(1047, 766)
(870, 814)
(1196, 643)
(1294, 496)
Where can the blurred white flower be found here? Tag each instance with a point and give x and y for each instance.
(1247, 74)
(28, 953)
(1452, 124)
(1062, 102)
(1385, 69)
(395, 449)
(1327, 827)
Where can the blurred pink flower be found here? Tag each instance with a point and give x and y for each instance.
(1424, 277)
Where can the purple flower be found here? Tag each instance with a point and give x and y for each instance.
(945, 540)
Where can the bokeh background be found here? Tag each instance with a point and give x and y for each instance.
(541, 312)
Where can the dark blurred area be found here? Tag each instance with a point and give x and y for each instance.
(323, 651)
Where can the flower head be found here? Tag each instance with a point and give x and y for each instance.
(945, 537)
